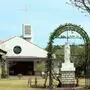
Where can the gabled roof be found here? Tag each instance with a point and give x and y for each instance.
(28, 48)
(3, 41)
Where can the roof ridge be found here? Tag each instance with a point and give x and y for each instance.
(7, 40)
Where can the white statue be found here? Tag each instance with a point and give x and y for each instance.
(67, 52)
(67, 65)
(67, 69)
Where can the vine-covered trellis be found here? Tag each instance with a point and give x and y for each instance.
(56, 34)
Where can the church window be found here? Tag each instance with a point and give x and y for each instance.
(17, 49)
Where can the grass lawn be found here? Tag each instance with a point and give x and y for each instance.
(16, 84)
(13, 85)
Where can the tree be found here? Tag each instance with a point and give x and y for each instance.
(82, 4)
(78, 57)
(3, 68)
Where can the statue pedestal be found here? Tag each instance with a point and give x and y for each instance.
(68, 74)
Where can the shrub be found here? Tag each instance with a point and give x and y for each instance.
(4, 73)
(20, 76)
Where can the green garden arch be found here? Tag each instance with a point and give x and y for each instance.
(56, 34)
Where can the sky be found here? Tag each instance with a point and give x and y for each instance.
(43, 15)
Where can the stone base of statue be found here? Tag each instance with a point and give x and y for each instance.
(68, 74)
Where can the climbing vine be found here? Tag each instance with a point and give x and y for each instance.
(54, 35)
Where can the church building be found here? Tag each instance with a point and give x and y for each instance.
(22, 55)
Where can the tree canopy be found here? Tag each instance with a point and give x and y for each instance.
(77, 57)
(82, 4)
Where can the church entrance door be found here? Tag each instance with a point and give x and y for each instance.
(21, 67)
